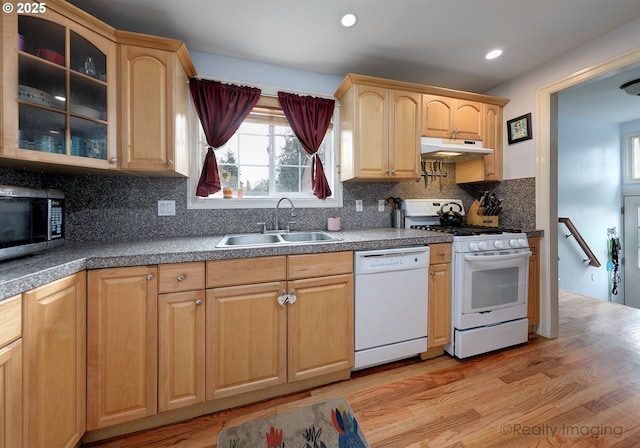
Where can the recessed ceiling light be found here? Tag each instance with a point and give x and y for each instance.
(348, 20)
(493, 54)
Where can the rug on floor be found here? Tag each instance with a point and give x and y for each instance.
(330, 424)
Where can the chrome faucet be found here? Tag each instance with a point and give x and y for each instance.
(293, 212)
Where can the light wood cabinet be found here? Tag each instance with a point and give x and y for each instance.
(379, 133)
(181, 335)
(533, 299)
(58, 90)
(181, 349)
(439, 309)
(54, 371)
(453, 118)
(122, 365)
(487, 168)
(154, 104)
(11, 372)
(256, 342)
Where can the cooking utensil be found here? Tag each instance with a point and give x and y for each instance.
(450, 217)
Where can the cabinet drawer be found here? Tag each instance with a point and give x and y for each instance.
(10, 319)
(180, 277)
(245, 271)
(440, 253)
(319, 265)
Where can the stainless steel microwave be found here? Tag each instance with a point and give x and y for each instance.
(31, 220)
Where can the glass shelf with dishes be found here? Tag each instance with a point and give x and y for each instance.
(62, 91)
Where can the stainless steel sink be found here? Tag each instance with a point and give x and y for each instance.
(300, 237)
(280, 238)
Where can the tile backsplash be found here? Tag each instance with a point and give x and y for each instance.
(110, 208)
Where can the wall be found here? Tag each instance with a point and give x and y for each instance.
(589, 194)
(520, 158)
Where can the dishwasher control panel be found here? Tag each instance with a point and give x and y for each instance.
(397, 259)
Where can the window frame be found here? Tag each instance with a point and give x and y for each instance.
(629, 158)
(195, 167)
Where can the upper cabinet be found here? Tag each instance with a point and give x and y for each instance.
(379, 132)
(78, 96)
(381, 122)
(154, 104)
(451, 118)
(58, 89)
(487, 168)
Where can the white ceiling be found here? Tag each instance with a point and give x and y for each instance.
(435, 42)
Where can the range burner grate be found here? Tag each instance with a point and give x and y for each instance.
(466, 230)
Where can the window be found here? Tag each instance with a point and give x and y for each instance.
(265, 161)
(632, 159)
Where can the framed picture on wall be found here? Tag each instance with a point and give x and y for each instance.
(519, 129)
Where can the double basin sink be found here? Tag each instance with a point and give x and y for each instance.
(270, 239)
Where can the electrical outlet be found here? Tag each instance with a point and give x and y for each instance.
(167, 208)
(358, 205)
(381, 203)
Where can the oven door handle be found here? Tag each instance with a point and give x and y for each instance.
(482, 258)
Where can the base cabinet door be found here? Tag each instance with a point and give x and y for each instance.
(54, 343)
(246, 339)
(11, 395)
(439, 308)
(321, 338)
(122, 365)
(533, 299)
(181, 342)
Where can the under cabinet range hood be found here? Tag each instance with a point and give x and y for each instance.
(452, 151)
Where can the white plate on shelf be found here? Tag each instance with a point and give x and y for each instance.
(86, 111)
(33, 95)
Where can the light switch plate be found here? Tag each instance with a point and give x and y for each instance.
(167, 208)
(358, 205)
(381, 203)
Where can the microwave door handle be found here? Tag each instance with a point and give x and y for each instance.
(483, 258)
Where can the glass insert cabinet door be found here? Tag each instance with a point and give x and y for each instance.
(63, 95)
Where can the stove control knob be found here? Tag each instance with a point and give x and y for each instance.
(514, 243)
(482, 245)
(523, 242)
(499, 244)
(473, 247)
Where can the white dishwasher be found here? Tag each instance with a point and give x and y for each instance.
(391, 293)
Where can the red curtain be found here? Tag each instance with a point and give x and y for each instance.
(222, 108)
(310, 118)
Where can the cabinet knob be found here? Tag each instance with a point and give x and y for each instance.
(180, 277)
(113, 160)
(199, 302)
(442, 254)
(150, 277)
(392, 171)
(291, 297)
(282, 298)
(169, 162)
(432, 273)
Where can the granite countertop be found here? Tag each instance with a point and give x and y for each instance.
(23, 274)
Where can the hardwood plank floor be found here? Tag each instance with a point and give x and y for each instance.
(579, 390)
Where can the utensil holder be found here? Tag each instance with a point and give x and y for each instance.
(397, 218)
(475, 219)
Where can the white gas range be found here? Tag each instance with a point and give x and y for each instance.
(489, 281)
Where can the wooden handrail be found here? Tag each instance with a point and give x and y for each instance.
(593, 261)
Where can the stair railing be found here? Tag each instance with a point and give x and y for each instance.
(573, 232)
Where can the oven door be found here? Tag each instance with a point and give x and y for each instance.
(490, 288)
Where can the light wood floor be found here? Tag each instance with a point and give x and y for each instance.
(579, 390)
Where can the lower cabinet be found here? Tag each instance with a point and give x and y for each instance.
(11, 372)
(160, 338)
(122, 364)
(533, 299)
(258, 341)
(181, 352)
(54, 369)
(439, 310)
